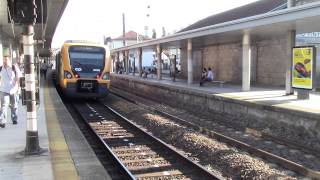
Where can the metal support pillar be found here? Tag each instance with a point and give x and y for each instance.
(159, 68)
(1, 55)
(174, 64)
(123, 30)
(126, 57)
(118, 62)
(190, 62)
(140, 61)
(291, 39)
(32, 144)
(246, 61)
(123, 64)
(134, 66)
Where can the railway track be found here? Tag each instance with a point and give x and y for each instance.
(97, 146)
(136, 152)
(265, 154)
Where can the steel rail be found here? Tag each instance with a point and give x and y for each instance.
(259, 152)
(118, 161)
(206, 173)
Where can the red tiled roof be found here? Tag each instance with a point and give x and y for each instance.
(131, 35)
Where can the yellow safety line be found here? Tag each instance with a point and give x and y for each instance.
(63, 165)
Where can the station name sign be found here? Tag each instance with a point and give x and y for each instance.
(303, 67)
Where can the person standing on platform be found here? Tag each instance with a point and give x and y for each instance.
(43, 69)
(9, 78)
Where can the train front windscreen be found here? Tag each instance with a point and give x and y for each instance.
(86, 61)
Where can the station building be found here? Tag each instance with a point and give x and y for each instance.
(268, 53)
(248, 45)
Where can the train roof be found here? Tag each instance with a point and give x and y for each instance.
(83, 43)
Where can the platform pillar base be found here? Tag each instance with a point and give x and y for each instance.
(303, 94)
(32, 145)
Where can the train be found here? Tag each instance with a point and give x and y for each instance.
(83, 69)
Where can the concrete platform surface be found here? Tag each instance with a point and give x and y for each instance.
(267, 110)
(67, 153)
(13, 164)
(273, 96)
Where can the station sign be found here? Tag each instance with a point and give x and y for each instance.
(308, 38)
(303, 67)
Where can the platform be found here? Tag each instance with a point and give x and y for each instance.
(67, 153)
(273, 96)
(267, 110)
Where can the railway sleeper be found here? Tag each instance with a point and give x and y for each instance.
(150, 168)
(116, 150)
(145, 160)
(151, 153)
(133, 140)
(158, 175)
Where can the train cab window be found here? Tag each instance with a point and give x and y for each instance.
(86, 61)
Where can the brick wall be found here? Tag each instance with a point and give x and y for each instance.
(268, 64)
(226, 60)
(271, 62)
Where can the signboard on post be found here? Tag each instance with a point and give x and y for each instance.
(303, 67)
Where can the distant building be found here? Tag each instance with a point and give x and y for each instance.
(266, 51)
(130, 38)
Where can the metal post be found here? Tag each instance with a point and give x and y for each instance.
(124, 61)
(123, 29)
(126, 57)
(134, 66)
(32, 144)
(118, 63)
(1, 55)
(140, 61)
(159, 70)
(174, 64)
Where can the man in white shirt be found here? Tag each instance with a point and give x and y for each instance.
(9, 76)
(210, 75)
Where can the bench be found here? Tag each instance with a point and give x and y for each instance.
(221, 83)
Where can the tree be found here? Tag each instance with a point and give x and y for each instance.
(163, 32)
(106, 40)
(154, 34)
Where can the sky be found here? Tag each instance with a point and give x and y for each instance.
(94, 19)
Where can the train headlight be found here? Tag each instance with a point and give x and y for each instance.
(106, 76)
(67, 75)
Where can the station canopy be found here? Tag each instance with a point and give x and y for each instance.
(43, 32)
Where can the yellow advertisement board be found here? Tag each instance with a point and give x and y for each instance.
(303, 67)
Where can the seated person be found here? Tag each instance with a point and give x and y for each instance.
(145, 73)
(208, 78)
(204, 74)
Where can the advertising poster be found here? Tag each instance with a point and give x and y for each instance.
(303, 63)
